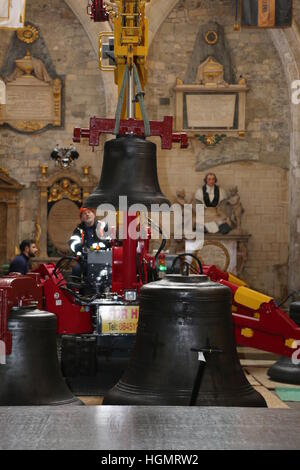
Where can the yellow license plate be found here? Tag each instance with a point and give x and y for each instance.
(119, 319)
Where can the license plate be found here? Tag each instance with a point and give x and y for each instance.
(119, 319)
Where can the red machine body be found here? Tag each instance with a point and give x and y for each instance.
(264, 327)
(45, 288)
(130, 259)
(72, 318)
(258, 321)
(17, 290)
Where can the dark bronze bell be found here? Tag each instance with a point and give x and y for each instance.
(284, 370)
(183, 321)
(129, 169)
(31, 375)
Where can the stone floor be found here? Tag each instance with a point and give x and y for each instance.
(255, 364)
(96, 427)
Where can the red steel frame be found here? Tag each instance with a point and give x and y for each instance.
(162, 129)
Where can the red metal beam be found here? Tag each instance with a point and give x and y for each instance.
(162, 129)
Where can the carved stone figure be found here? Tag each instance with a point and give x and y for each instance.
(65, 189)
(236, 208)
(27, 66)
(211, 72)
(212, 195)
(55, 193)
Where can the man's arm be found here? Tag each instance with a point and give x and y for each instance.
(75, 242)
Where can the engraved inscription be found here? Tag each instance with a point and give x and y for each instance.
(205, 111)
(28, 103)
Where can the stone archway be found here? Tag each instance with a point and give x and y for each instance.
(287, 43)
(92, 30)
(157, 11)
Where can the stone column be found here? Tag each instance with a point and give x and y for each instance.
(43, 222)
(12, 232)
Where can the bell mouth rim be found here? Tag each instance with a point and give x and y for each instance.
(193, 279)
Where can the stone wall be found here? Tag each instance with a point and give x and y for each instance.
(74, 58)
(297, 11)
(266, 144)
(258, 163)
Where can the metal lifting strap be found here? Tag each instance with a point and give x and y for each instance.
(140, 97)
(121, 101)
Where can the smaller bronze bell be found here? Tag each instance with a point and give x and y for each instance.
(182, 317)
(284, 370)
(129, 169)
(31, 375)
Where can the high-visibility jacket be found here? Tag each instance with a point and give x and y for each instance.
(87, 237)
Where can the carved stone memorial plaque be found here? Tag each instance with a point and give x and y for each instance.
(33, 99)
(62, 220)
(205, 111)
(211, 104)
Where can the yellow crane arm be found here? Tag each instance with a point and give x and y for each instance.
(130, 47)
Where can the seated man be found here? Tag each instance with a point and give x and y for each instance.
(20, 263)
(89, 233)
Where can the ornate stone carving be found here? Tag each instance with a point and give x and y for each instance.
(211, 37)
(215, 252)
(211, 73)
(57, 101)
(211, 140)
(86, 170)
(44, 170)
(28, 126)
(38, 231)
(33, 99)
(211, 105)
(235, 207)
(228, 251)
(4, 171)
(29, 34)
(65, 189)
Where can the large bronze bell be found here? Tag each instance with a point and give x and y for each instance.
(129, 169)
(184, 320)
(284, 370)
(31, 375)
